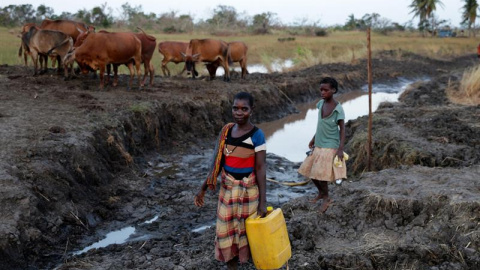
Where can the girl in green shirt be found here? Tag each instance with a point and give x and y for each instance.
(327, 143)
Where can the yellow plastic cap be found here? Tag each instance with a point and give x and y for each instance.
(269, 208)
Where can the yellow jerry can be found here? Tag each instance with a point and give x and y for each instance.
(268, 240)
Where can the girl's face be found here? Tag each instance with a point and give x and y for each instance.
(241, 111)
(326, 91)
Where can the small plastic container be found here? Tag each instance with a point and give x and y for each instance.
(268, 239)
(337, 162)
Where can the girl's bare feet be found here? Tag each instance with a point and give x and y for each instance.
(326, 203)
(316, 199)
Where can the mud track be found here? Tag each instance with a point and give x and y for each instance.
(77, 162)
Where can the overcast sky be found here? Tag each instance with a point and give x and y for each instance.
(326, 12)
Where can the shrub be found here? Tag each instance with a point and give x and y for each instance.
(169, 29)
(321, 32)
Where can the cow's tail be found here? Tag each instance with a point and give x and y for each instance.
(147, 35)
(20, 50)
(229, 56)
(58, 45)
(26, 39)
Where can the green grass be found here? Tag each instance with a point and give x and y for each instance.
(9, 45)
(305, 50)
(141, 107)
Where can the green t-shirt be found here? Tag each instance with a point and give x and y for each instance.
(328, 134)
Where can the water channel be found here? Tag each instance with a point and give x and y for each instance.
(287, 137)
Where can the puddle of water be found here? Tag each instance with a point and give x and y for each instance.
(115, 237)
(151, 220)
(161, 169)
(203, 228)
(277, 66)
(289, 137)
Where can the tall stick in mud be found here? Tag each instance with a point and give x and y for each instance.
(370, 116)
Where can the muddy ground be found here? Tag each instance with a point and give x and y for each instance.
(77, 163)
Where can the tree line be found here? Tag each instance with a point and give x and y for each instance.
(225, 20)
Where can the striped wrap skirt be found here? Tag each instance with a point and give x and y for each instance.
(238, 199)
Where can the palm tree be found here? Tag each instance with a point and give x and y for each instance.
(469, 15)
(431, 6)
(424, 9)
(418, 8)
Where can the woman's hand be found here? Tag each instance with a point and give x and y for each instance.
(261, 210)
(198, 200)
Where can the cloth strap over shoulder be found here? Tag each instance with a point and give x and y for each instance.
(217, 159)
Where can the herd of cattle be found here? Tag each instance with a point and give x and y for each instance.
(67, 41)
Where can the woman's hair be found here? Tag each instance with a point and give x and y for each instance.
(333, 83)
(244, 96)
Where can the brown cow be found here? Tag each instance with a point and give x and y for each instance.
(148, 48)
(172, 52)
(24, 49)
(103, 48)
(25, 28)
(207, 50)
(69, 27)
(238, 53)
(46, 42)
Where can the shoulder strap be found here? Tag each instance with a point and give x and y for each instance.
(218, 154)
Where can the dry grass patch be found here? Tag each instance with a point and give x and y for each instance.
(468, 92)
(378, 244)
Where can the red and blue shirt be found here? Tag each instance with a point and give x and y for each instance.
(239, 153)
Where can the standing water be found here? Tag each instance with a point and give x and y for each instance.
(289, 136)
(116, 237)
(277, 65)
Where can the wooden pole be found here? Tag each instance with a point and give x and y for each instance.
(370, 115)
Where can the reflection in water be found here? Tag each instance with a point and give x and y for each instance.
(289, 136)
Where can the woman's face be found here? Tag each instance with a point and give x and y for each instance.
(241, 111)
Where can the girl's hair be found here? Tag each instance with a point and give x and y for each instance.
(333, 83)
(244, 96)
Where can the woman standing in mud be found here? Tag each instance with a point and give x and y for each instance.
(327, 143)
(240, 157)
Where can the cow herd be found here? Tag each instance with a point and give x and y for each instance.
(67, 42)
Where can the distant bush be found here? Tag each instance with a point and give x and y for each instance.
(286, 39)
(260, 31)
(307, 30)
(170, 29)
(321, 32)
